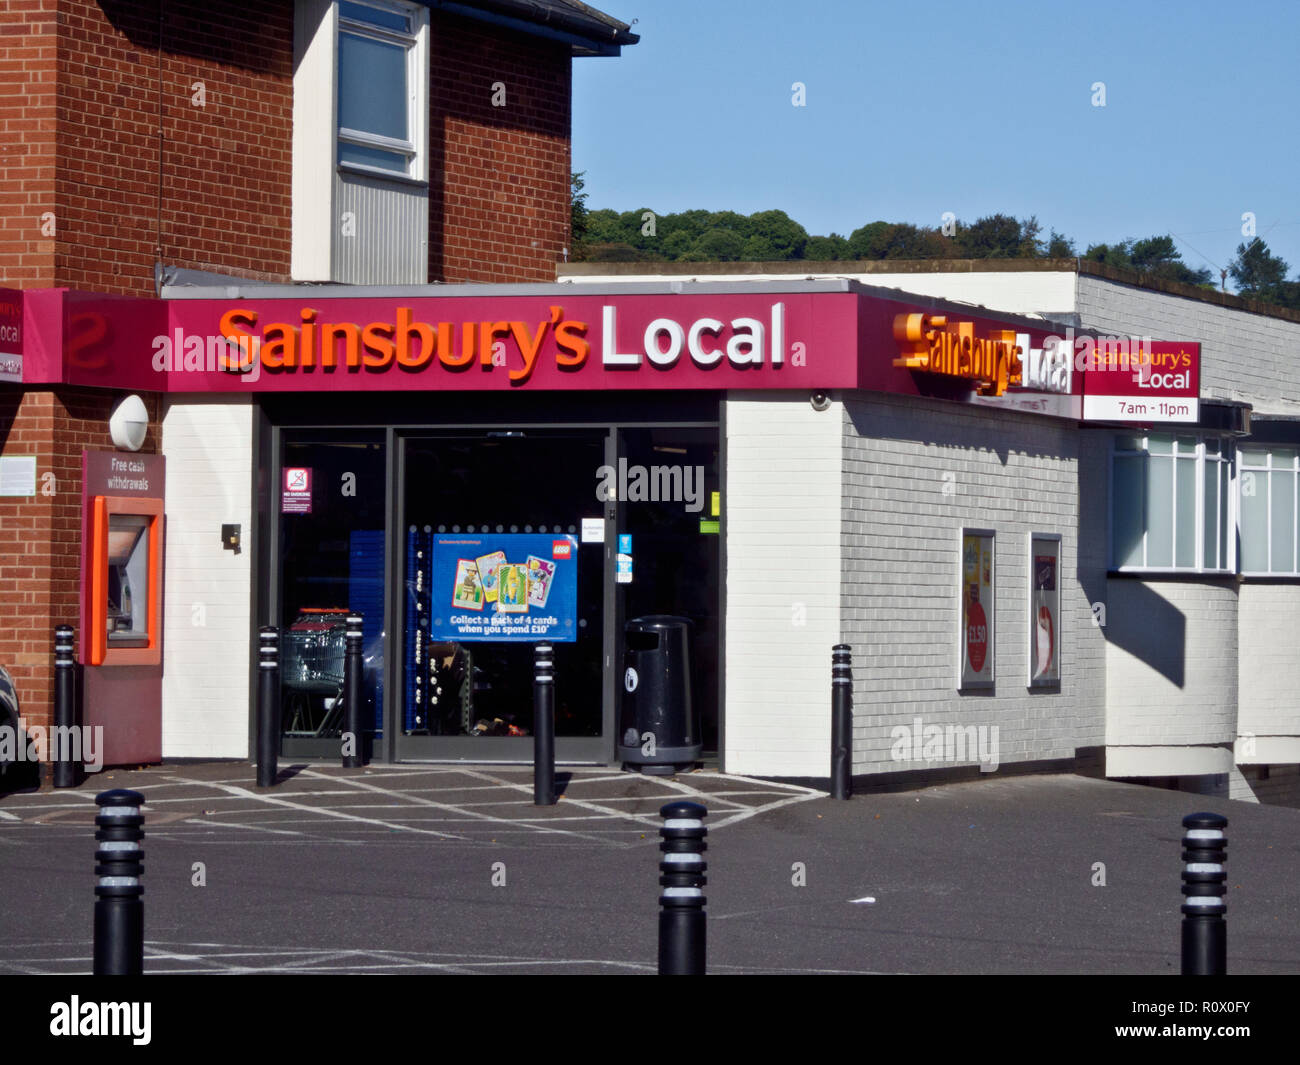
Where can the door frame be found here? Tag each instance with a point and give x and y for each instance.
(400, 416)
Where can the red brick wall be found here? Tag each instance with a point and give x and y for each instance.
(152, 167)
(499, 188)
(222, 200)
(40, 536)
(27, 132)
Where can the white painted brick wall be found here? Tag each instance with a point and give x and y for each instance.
(782, 497)
(1171, 662)
(1015, 474)
(1248, 357)
(1267, 622)
(208, 443)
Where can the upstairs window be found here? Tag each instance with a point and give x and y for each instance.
(1170, 503)
(1268, 510)
(382, 68)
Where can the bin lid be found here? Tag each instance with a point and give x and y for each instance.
(656, 621)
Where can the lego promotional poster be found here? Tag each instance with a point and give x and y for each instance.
(519, 587)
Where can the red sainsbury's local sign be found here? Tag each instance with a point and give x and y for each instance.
(786, 340)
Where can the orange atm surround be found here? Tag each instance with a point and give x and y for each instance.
(146, 650)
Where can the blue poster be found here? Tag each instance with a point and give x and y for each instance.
(518, 587)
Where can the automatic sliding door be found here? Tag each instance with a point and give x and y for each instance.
(494, 561)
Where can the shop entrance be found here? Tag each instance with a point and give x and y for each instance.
(504, 547)
(462, 548)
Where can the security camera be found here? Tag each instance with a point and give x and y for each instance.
(819, 401)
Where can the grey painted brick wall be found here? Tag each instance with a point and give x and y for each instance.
(1171, 664)
(1267, 623)
(916, 472)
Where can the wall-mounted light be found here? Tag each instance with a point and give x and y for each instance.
(128, 425)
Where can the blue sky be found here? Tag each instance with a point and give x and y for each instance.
(917, 108)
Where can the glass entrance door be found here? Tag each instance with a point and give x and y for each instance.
(496, 558)
(670, 508)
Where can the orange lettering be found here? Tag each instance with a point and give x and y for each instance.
(405, 326)
(574, 348)
(329, 334)
(445, 356)
(376, 337)
(280, 352)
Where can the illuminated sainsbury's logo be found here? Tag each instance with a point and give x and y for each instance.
(933, 344)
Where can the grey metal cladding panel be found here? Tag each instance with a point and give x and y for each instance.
(390, 222)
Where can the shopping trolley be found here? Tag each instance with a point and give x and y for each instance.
(311, 672)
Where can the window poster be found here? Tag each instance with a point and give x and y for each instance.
(976, 639)
(1044, 610)
(518, 587)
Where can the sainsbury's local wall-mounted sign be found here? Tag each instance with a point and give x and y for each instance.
(934, 343)
(1083, 377)
(11, 334)
(1136, 379)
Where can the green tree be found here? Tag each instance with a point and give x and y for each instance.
(773, 237)
(1258, 273)
(715, 246)
(902, 240)
(998, 236)
(605, 227)
(1111, 254)
(827, 249)
(577, 208)
(1059, 246)
(1159, 257)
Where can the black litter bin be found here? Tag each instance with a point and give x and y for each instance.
(659, 730)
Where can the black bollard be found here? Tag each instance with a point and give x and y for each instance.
(65, 709)
(543, 725)
(681, 903)
(1205, 930)
(268, 705)
(352, 666)
(841, 722)
(119, 861)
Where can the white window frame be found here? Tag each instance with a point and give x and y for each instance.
(1226, 457)
(416, 145)
(1268, 469)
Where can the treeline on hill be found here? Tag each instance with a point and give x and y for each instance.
(644, 235)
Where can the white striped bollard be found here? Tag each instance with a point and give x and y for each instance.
(681, 903)
(841, 722)
(1205, 929)
(65, 708)
(353, 664)
(119, 861)
(543, 725)
(268, 705)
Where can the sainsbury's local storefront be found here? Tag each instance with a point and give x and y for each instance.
(787, 464)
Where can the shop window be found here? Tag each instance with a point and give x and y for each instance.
(1268, 479)
(1170, 503)
(382, 68)
(1045, 610)
(975, 648)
